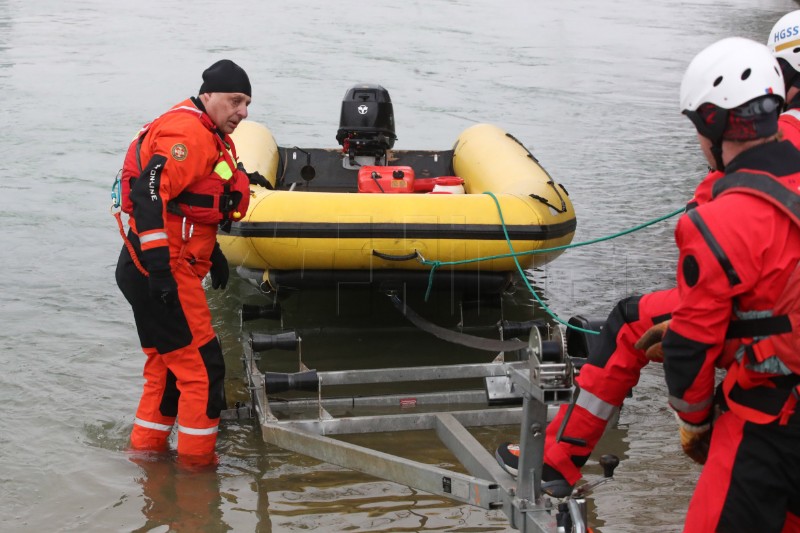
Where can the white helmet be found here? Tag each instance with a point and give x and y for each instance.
(729, 73)
(733, 90)
(784, 40)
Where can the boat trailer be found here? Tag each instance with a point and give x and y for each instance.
(541, 379)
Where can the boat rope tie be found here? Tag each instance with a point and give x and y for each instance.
(436, 264)
(456, 337)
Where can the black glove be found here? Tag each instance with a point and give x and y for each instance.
(219, 269)
(163, 288)
(255, 178)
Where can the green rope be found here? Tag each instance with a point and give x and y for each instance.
(436, 264)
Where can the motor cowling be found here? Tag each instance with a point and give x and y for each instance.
(366, 126)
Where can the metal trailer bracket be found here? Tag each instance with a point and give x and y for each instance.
(540, 386)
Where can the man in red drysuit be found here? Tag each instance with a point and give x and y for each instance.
(179, 182)
(614, 367)
(739, 305)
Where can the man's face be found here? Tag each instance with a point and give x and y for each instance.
(227, 109)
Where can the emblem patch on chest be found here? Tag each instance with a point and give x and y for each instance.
(179, 152)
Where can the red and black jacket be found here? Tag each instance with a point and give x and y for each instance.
(737, 253)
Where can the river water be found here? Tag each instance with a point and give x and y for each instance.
(591, 87)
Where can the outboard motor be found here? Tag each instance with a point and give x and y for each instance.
(366, 126)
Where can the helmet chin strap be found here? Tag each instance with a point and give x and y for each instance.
(716, 137)
(716, 151)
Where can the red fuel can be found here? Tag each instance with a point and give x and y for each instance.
(387, 180)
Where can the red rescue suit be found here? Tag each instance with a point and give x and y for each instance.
(189, 183)
(614, 369)
(737, 253)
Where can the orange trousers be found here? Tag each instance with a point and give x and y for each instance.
(185, 369)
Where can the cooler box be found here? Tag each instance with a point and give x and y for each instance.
(385, 179)
(448, 185)
(440, 185)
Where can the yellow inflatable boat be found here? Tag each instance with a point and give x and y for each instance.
(367, 213)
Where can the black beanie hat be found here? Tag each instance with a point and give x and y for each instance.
(225, 76)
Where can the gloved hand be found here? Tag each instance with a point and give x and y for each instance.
(219, 269)
(650, 342)
(255, 178)
(695, 440)
(163, 288)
